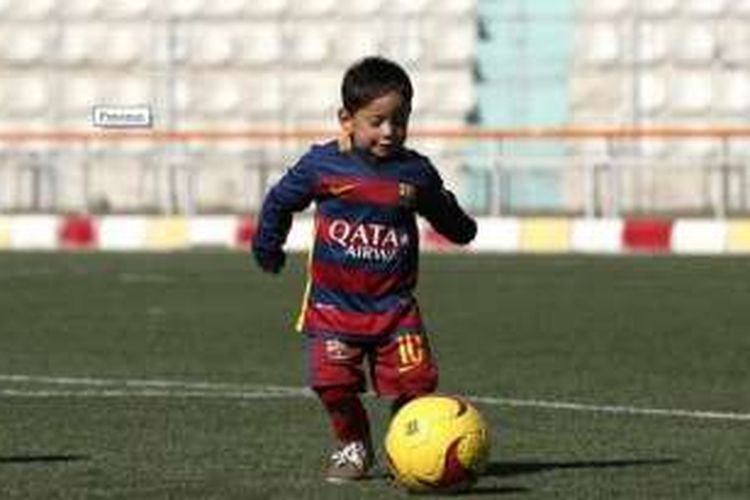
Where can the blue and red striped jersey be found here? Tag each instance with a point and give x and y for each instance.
(365, 255)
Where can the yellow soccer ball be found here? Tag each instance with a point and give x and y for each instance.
(437, 443)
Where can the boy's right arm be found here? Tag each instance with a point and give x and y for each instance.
(293, 193)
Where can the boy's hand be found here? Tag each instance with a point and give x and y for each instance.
(269, 261)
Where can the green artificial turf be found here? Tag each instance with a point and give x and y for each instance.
(180, 376)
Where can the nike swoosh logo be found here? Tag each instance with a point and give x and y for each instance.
(339, 190)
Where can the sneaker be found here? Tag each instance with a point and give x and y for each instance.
(350, 462)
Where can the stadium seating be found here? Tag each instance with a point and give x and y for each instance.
(124, 46)
(311, 43)
(607, 9)
(313, 94)
(262, 44)
(185, 9)
(599, 45)
(77, 45)
(691, 93)
(695, 44)
(360, 42)
(319, 8)
(733, 94)
(278, 63)
(458, 44)
(703, 9)
(20, 10)
(266, 8)
(453, 95)
(735, 42)
(454, 8)
(82, 9)
(24, 46)
(210, 46)
(264, 96)
(739, 8)
(221, 96)
(683, 65)
(659, 8)
(85, 45)
(653, 43)
(80, 94)
(95, 38)
(24, 96)
(126, 9)
(411, 7)
(360, 8)
(226, 9)
(653, 92)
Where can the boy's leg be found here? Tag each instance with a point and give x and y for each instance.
(337, 378)
(348, 416)
(403, 368)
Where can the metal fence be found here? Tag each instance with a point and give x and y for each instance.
(593, 171)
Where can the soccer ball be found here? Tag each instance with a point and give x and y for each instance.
(437, 443)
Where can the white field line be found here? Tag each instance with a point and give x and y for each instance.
(142, 384)
(612, 409)
(150, 393)
(126, 388)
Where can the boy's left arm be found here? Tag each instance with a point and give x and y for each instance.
(440, 207)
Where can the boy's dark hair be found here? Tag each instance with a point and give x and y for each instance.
(373, 77)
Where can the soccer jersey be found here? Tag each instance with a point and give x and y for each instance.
(364, 260)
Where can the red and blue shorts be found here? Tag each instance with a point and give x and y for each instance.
(398, 364)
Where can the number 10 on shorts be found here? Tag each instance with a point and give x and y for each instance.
(411, 351)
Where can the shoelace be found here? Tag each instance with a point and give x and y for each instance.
(353, 453)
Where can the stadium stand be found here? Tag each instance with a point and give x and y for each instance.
(262, 45)
(25, 96)
(276, 65)
(126, 9)
(659, 8)
(704, 9)
(691, 93)
(24, 46)
(14, 10)
(216, 65)
(82, 9)
(653, 46)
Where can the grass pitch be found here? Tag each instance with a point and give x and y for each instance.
(179, 376)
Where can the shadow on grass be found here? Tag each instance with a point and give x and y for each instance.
(42, 459)
(510, 469)
(474, 490)
(501, 470)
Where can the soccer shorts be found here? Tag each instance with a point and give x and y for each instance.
(400, 364)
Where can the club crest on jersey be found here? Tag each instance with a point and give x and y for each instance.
(407, 194)
(377, 242)
(337, 350)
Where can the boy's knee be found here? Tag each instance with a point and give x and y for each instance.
(336, 393)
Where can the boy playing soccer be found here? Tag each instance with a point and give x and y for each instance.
(359, 304)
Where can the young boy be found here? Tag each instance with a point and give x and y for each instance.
(359, 303)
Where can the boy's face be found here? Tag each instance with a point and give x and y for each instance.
(380, 127)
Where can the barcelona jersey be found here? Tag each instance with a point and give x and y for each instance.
(364, 260)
